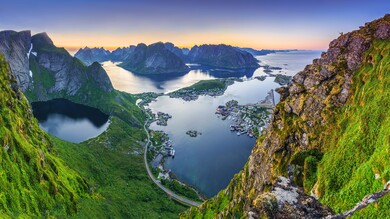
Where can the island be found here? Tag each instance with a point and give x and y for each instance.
(193, 133)
(214, 87)
(162, 118)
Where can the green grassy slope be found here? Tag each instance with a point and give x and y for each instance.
(113, 165)
(33, 180)
(207, 85)
(358, 144)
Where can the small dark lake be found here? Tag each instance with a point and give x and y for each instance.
(70, 121)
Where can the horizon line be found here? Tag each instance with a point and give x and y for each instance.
(112, 48)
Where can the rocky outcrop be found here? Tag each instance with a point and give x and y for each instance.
(16, 48)
(222, 56)
(90, 55)
(154, 59)
(313, 136)
(286, 200)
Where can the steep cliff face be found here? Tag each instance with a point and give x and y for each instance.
(44, 71)
(33, 180)
(329, 138)
(154, 59)
(177, 51)
(57, 74)
(222, 56)
(16, 47)
(91, 55)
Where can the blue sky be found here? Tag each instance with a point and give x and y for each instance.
(259, 24)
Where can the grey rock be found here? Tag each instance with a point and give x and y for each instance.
(295, 89)
(15, 47)
(55, 72)
(383, 32)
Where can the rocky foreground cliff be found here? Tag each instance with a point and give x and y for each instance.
(327, 146)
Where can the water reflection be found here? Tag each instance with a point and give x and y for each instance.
(129, 82)
(69, 121)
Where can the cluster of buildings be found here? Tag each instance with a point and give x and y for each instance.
(162, 118)
(248, 119)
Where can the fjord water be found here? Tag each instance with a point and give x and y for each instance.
(70, 121)
(209, 161)
(129, 82)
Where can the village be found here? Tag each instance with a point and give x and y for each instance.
(160, 148)
(249, 119)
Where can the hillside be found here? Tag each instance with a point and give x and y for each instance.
(328, 137)
(34, 181)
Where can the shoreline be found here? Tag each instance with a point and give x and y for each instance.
(170, 178)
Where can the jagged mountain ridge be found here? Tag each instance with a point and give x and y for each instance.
(159, 61)
(222, 56)
(91, 55)
(154, 59)
(328, 136)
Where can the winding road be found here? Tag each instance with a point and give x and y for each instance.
(157, 182)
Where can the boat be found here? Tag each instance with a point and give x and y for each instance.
(171, 152)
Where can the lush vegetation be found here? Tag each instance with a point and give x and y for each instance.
(112, 163)
(33, 180)
(104, 177)
(207, 85)
(181, 189)
(356, 160)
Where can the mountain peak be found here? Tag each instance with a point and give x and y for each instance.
(42, 39)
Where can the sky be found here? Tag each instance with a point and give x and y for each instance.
(260, 24)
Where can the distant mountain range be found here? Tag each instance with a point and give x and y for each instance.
(162, 58)
(263, 52)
